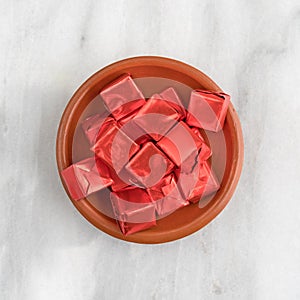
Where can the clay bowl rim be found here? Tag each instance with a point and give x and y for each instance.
(147, 237)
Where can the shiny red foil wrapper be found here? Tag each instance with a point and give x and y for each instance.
(102, 150)
(206, 183)
(205, 151)
(191, 144)
(167, 196)
(171, 96)
(96, 125)
(149, 165)
(123, 91)
(207, 110)
(117, 182)
(134, 210)
(83, 179)
(103, 146)
(130, 128)
(162, 119)
(91, 127)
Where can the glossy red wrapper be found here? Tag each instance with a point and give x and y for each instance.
(171, 96)
(83, 179)
(91, 127)
(122, 96)
(167, 196)
(131, 129)
(207, 110)
(96, 125)
(206, 183)
(156, 117)
(190, 144)
(117, 182)
(205, 151)
(103, 146)
(149, 165)
(134, 210)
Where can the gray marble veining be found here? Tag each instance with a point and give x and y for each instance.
(250, 48)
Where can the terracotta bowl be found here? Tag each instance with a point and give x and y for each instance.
(185, 220)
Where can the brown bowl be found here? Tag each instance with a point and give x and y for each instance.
(185, 220)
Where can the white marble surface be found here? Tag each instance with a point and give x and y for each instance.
(250, 48)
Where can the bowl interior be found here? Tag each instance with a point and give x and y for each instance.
(185, 220)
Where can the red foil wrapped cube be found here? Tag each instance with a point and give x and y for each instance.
(183, 145)
(83, 179)
(207, 110)
(119, 181)
(171, 96)
(156, 117)
(103, 147)
(134, 210)
(167, 196)
(197, 184)
(122, 96)
(149, 165)
(136, 133)
(205, 151)
(95, 125)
